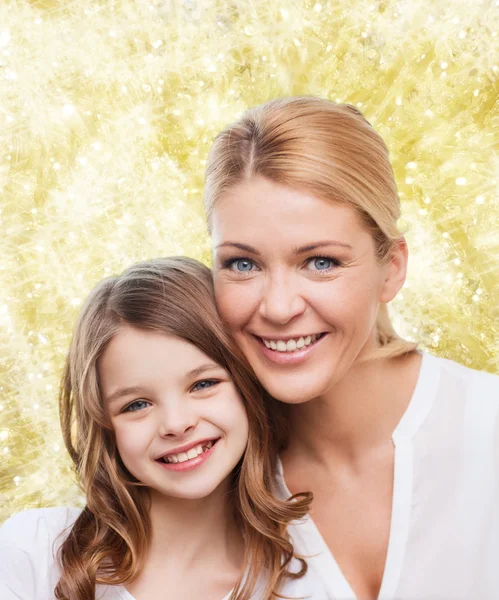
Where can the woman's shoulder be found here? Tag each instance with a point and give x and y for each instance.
(468, 381)
(462, 396)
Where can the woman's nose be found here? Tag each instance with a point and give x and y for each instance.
(281, 301)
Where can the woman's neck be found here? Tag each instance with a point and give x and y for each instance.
(187, 531)
(358, 414)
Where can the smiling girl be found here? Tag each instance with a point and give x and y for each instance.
(172, 445)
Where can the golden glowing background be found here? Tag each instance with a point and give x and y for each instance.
(107, 112)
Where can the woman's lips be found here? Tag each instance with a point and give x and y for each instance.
(289, 358)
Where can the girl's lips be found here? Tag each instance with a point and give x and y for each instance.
(191, 463)
(288, 358)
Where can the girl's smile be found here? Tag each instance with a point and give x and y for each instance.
(172, 409)
(188, 456)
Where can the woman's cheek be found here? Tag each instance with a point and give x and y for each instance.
(234, 302)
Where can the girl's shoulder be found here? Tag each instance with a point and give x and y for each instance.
(28, 551)
(37, 527)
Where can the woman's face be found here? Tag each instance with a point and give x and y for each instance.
(180, 424)
(297, 281)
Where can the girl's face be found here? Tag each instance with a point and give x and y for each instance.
(297, 281)
(180, 424)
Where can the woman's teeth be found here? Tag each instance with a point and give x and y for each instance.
(291, 345)
(189, 455)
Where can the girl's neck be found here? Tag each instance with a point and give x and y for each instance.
(358, 414)
(185, 531)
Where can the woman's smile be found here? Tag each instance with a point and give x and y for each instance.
(289, 350)
(303, 300)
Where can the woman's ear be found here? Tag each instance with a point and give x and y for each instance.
(395, 271)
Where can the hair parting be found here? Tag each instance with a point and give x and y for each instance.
(323, 148)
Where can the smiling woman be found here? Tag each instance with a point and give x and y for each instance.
(399, 448)
(170, 439)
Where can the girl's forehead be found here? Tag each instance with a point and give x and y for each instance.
(134, 351)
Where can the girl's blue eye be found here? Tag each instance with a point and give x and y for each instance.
(204, 384)
(322, 263)
(136, 406)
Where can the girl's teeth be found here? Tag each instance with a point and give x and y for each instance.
(189, 455)
(291, 345)
(192, 453)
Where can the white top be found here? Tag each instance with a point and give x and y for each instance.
(28, 571)
(444, 535)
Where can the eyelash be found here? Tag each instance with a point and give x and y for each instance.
(129, 407)
(213, 382)
(228, 263)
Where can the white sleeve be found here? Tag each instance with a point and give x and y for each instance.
(28, 547)
(17, 571)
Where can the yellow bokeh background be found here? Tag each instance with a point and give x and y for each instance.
(108, 109)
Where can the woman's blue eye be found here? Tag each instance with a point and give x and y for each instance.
(242, 265)
(322, 263)
(204, 385)
(137, 405)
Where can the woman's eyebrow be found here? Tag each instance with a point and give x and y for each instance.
(243, 247)
(299, 250)
(322, 244)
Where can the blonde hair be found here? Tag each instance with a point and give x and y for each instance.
(110, 538)
(324, 148)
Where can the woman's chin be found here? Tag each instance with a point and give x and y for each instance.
(291, 392)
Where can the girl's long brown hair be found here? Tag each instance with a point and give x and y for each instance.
(108, 541)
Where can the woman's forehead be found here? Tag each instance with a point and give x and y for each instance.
(260, 209)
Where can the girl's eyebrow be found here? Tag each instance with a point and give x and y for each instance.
(127, 391)
(136, 389)
(203, 368)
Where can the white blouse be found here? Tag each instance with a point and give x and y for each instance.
(444, 534)
(28, 571)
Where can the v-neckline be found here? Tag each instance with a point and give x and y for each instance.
(125, 594)
(321, 558)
